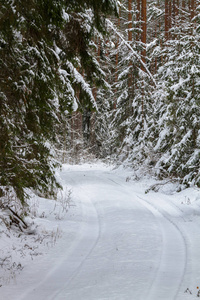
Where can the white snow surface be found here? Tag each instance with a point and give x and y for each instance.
(114, 243)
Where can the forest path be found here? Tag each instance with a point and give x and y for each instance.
(119, 244)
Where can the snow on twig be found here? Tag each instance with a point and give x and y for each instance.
(109, 23)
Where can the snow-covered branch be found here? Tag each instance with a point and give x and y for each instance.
(110, 24)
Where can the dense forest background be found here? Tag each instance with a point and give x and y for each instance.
(116, 80)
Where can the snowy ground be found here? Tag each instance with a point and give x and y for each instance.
(114, 243)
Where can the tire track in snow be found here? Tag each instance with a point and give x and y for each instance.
(174, 251)
(87, 229)
(91, 218)
(70, 266)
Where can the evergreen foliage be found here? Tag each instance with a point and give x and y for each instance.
(155, 124)
(178, 142)
(71, 79)
(43, 44)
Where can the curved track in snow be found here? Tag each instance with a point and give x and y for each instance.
(172, 265)
(119, 244)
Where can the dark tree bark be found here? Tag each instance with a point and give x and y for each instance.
(144, 28)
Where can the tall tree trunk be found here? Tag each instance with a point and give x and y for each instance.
(138, 19)
(167, 19)
(170, 16)
(144, 28)
(173, 16)
(92, 139)
(173, 11)
(193, 7)
(117, 60)
(130, 75)
(130, 20)
(143, 40)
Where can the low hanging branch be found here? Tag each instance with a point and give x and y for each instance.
(17, 219)
(109, 23)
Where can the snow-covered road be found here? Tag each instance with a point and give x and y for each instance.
(118, 244)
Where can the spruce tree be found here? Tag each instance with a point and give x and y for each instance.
(178, 106)
(43, 45)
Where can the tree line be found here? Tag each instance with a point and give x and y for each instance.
(153, 119)
(118, 79)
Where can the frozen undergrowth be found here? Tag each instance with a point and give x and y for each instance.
(21, 245)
